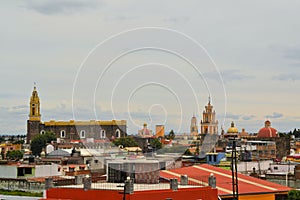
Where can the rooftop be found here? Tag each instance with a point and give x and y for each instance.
(247, 184)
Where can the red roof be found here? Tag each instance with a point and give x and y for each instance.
(198, 175)
(267, 132)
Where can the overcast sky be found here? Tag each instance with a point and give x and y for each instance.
(151, 61)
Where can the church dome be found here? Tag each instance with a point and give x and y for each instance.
(244, 133)
(267, 131)
(145, 132)
(232, 129)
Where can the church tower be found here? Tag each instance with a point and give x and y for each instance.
(34, 114)
(194, 126)
(209, 124)
(33, 123)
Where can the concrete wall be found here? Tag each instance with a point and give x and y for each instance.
(47, 170)
(282, 168)
(8, 171)
(248, 166)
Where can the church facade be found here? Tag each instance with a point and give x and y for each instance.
(68, 131)
(209, 124)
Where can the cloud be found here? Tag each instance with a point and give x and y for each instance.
(227, 75)
(177, 19)
(121, 18)
(52, 7)
(13, 119)
(233, 116)
(292, 53)
(275, 115)
(287, 77)
(248, 117)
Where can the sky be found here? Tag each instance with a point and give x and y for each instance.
(154, 62)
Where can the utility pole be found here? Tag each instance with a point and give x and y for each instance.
(234, 174)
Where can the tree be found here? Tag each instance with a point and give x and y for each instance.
(39, 142)
(187, 152)
(125, 142)
(155, 143)
(170, 136)
(14, 155)
(294, 195)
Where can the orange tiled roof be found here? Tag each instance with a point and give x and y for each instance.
(198, 175)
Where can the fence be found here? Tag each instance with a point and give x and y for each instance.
(21, 184)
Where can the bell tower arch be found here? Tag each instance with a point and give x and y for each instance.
(33, 123)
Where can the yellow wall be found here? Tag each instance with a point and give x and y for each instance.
(258, 197)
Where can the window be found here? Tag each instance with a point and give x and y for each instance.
(42, 132)
(62, 133)
(102, 134)
(82, 134)
(273, 152)
(276, 168)
(118, 133)
(96, 161)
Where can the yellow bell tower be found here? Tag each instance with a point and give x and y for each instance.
(34, 113)
(209, 124)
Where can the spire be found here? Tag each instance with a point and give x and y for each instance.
(232, 124)
(208, 99)
(34, 113)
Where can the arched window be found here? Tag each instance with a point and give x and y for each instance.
(82, 134)
(206, 118)
(62, 133)
(118, 133)
(102, 134)
(43, 132)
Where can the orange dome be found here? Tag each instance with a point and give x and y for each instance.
(267, 131)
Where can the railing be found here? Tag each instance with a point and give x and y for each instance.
(21, 184)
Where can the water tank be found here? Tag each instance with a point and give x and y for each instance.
(184, 180)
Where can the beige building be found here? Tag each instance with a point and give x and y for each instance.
(209, 124)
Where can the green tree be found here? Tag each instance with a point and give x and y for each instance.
(39, 142)
(125, 142)
(155, 143)
(187, 152)
(294, 195)
(170, 136)
(19, 142)
(14, 155)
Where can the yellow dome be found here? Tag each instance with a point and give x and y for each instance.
(232, 129)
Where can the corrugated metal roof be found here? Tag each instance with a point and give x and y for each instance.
(198, 174)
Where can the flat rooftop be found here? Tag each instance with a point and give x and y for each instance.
(137, 187)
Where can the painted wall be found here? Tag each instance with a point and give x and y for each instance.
(8, 171)
(79, 194)
(47, 170)
(248, 166)
(258, 197)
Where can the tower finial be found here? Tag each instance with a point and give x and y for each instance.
(34, 85)
(208, 99)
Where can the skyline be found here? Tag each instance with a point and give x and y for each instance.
(255, 46)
